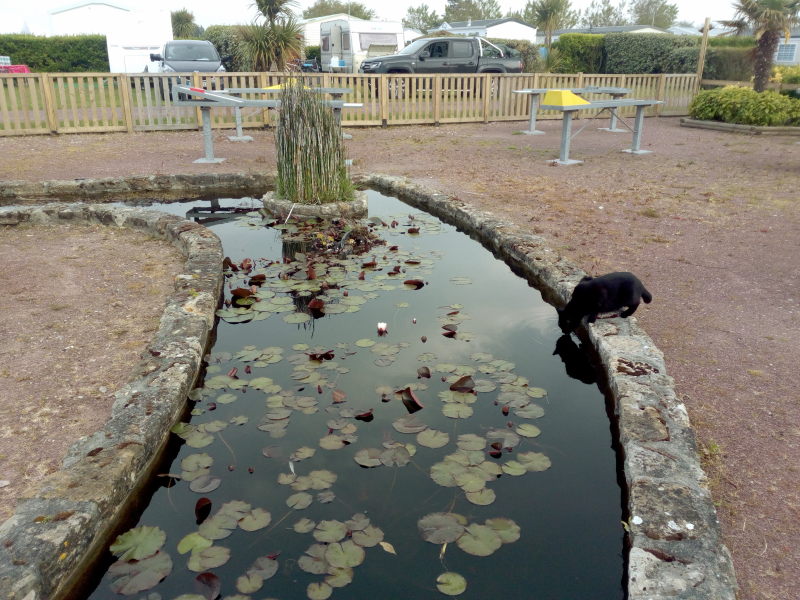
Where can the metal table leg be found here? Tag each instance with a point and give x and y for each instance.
(638, 125)
(612, 126)
(208, 142)
(337, 112)
(566, 135)
(532, 120)
(239, 137)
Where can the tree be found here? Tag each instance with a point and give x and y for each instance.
(770, 20)
(275, 10)
(601, 13)
(490, 9)
(183, 25)
(265, 47)
(422, 18)
(549, 15)
(465, 10)
(658, 13)
(322, 8)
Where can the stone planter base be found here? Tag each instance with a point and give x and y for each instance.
(356, 208)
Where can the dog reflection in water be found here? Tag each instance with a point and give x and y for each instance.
(575, 359)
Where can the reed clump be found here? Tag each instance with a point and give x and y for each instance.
(309, 149)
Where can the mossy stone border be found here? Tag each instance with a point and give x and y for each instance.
(55, 533)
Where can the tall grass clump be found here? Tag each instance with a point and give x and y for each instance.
(310, 153)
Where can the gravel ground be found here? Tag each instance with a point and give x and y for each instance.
(709, 221)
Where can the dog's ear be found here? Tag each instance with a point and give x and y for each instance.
(587, 278)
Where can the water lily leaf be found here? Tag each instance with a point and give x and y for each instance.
(537, 392)
(482, 497)
(319, 591)
(534, 461)
(240, 420)
(226, 398)
(332, 442)
(463, 384)
(264, 566)
(313, 561)
(470, 441)
(456, 410)
(531, 411)
(204, 484)
(397, 456)
(297, 318)
(210, 583)
(249, 583)
(409, 424)
(507, 529)
(339, 577)
(358, 522)
(485, 385)
(444, 473)
(222, 381)
(451, 584)
(326, 497)
(368, 537)
(301, 454)
(471, 479)
(330, 531)
(195, 465)
(528, 430)
(479, 540)
(209, 558)
(514, 468)
(322, 479)
(506, 437)
(299, 501)
(440, 528)
(134, 576)
(368, 457)
(202, 508)
(304, 525)
(433, 438)
(345, 554)
(138, 543)
(197, 438)
(193, 541)
(257, 519)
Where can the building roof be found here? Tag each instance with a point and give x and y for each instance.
(611, 29)
(481, 23)
(332, 17)
(69, 7)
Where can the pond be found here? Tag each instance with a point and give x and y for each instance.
(324, 457)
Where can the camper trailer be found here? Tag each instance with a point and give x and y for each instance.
(344, 44)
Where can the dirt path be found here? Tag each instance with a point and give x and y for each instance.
(710, 221)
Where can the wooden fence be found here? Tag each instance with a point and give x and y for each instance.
(41, 103)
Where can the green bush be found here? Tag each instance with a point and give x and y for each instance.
(527, 50)
(225, 41)
(581, 52)
(313, 52)
(57, 54)
(745, 106)
(731, 64)
(642, 52)
(786, 74)
(731, 41)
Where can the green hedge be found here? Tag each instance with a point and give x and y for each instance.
(225, 40)
(580, 52)
(57, 54)
(528, 51)
(642, 52)
(745, 107)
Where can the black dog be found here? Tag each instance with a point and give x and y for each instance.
(576, 361)
(603, 294)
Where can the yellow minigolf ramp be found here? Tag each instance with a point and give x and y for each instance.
(562, 98)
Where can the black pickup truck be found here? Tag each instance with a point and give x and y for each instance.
(452, 54)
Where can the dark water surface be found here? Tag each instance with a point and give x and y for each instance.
(571, 540)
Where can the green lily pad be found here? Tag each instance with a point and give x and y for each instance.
(451, 584)
(470, 441)
(264, 566)
(531, 411)
(455, 410)
(482, 497)
(397, 456)
(444, 473)
(319, 591)
(345, 554)
(479, 540)
(134, 576)
(301, 454)
(193, 541)
(195, 465)
(249, 583)
(471, 479)
(304, 525)
(433, 438)
(313, 561)
(330, 531)
(368, 457)
(339, 577)
(507, 529)
(514, 468)
(209, 558)
(296, 318)
(409, 424)
(138, 543)
(534, 461)
(257, 519)
(332, 442)
(528, 430)
(368, 537)
(322, 479)
(537, 392)
(299, 501)
(440, 528)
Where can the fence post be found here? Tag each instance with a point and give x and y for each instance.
(660, 95)
(487, 93)
(437, 99)
(383, 95)
(580, 80)
(198, 83)
(49, 104)
(124, 82)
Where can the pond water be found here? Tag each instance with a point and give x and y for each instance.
(507, 469)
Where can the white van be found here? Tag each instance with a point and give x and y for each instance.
(345, 44)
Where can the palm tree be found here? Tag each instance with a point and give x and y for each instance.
(549, 15)
(770, 20)
(274, 10)
(183, 25)
(265, 47)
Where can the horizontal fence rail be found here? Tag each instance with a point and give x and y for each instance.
(41, 103)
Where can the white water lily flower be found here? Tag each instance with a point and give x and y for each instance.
(382, 329)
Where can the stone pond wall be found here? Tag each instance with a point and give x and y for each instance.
(675, 548)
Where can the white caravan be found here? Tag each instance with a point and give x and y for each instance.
(345, 44)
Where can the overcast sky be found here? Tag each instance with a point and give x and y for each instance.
(15, 14)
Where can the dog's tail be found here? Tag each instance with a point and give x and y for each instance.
(647, 296)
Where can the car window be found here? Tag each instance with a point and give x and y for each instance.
(438, 49)
(461, 49)
(190, 52)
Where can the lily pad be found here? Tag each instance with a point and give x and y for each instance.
(345, 554)
(313, 561)
(534, 461)
(339, 577)
(397, 456)
(330, 531)
(302, 454)
(528, 430)
(304, 525)
(409, 424)
(296, 318)
(479, 540)
(433, 438)
(249, 583)
(138, 543)
(368, 537)
(264, 566)
(451, 584)
(319, 591)
(514, 468)
(322, 479)
(257, 519)
(507, 529)
(482, 497)
(368, 457)
(470, 441)
(531, 411)
(455, 410)
(299, 501)
(209, 558)
(332, 442)
(193, 541)
(440, 528)
(134, 576)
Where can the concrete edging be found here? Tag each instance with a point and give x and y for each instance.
(674, 540)
(56, 531)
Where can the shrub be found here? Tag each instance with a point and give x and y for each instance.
(581, 52)
(745, 106)
(786, 74)
(225, 41)
(528, 52)
(642, 52)
(313, 52)
(57, 54)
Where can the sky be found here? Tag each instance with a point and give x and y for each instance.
(14, 15)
